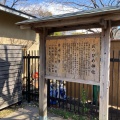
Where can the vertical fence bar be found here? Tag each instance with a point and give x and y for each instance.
(52, 93)
(112, 83)
(23, 79)
(78, 98)
(59, 94)
(67, 95)
(56, 93)
(83, 90)
(35, 83)
(74, 94)
(48, 93)
(62, 91)
(70, 96)
(28, 78)
(32, 75)
(38, 71)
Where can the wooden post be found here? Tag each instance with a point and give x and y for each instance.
(104, 74)
(42, 80)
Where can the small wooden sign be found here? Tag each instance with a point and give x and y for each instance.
(76, 57)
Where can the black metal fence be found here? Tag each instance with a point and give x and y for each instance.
(78, 98)
(74, 97)
(30, 76)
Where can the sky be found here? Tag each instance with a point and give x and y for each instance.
(56, 8)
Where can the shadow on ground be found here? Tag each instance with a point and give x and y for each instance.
(28, 112)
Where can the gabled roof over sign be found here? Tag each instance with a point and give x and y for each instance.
(74, 14)
(82, 19)
(16, 12)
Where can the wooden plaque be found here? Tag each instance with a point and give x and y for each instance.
(76, 57)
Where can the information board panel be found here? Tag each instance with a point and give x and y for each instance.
(76, 57)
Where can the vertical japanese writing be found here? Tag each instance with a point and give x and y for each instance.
(74, 58)
(93, 58)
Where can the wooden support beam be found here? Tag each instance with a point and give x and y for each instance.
(115, 23)
(89, 82)
(42, 80)
(67, 22)
(97, 35)
(77, 27)
(25, 26)
(75, 21)
(103, 23)
(104, 73)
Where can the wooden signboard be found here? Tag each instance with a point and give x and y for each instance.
(73, 58)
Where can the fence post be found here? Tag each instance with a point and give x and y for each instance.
(48, 92)
(28, 78)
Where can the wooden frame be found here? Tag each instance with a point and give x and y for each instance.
(104, 73)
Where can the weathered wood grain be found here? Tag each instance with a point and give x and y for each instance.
(10, 102)
(9, 80)
(73, 57)
(12, 64)
(8, 68)
(72, 36)
(11, 87)
(90, 82)
(10, 55)
(10, 75)
(5, 97)
(9, 84)
(10, 47)
(104, 74)
(10, 51)
(10, 92)
(42, 80)
(6, 59)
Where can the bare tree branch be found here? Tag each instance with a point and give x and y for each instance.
(79, 5)
(14, 3)
(101, 3)
(109, 2)
(113, 2)
(94, 3)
